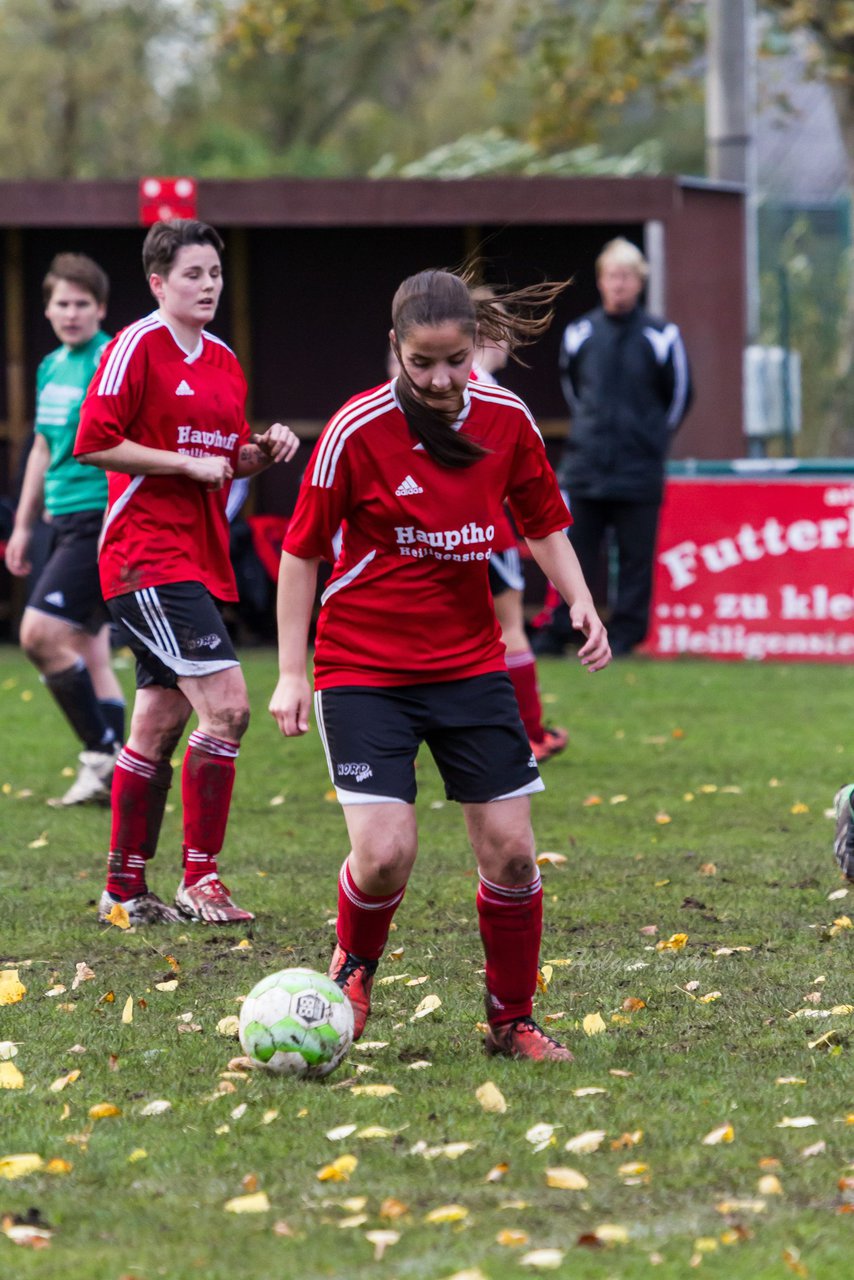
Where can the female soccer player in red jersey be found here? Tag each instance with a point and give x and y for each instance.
(408, 648)
(164, 417)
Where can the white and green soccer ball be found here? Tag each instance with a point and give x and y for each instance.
(296, 1023)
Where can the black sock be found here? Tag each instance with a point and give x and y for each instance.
(75, 695)
(113, 712)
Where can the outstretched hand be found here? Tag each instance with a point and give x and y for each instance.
(595, 653)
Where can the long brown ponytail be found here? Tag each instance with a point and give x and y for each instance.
(433, 298)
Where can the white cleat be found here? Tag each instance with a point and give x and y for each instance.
(93, 781)
(145, 908)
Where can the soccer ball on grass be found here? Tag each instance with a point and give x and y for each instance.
(296, 1023)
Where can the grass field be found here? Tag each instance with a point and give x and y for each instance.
(693, 800)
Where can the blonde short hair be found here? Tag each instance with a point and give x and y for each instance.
(622, 253)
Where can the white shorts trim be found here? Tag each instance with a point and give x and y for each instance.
(536, 784)
(359, 797)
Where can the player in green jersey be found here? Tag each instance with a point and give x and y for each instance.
(64, 630)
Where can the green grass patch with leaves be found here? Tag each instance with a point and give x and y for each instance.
(692, 800)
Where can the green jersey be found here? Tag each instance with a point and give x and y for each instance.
(61, 383)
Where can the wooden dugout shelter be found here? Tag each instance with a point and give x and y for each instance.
(311, 266)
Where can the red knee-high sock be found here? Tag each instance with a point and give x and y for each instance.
(139, 792)
(207, 781)
(522, 667)
(363, 918)
(511, 925)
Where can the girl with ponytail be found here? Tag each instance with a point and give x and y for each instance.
(408, 649)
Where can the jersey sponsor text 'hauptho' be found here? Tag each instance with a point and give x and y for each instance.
(148, 389)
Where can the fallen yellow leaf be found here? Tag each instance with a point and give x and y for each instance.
(591, 801)
(491, 1098)
(675, 942)
(566, 1179)
(611, 1233)
(392, 1209)
(769, 1185)
(59, 1084)
(339, 1170)
(795, 1122)
(593, 1024)
(583, 1144)
(512, 1238)
(633, 1169)
(632, 1139)
(428, 1005)
(10, 1076)
(373, 1090)
(11, 988)
(723, 1133)
(170, 985)
(447, 1213)
(104, 1110)
(118, 916)
(552, 859)
(56, 1165)
(381, 1240)
(543, 1259)
(127, 1012)
(256, 1203)
(19, 1166)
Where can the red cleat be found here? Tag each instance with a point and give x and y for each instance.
(355, 977)
(522, 1038)
(553, 743)
(208, 900)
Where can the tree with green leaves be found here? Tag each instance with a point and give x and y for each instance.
(79, 77)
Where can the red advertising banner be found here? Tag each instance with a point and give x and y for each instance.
(755, 569)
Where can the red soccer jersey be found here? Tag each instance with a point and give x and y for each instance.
(409, 601)
(161, 529)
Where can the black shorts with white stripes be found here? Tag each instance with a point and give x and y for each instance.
(506, 572)
(175, 631)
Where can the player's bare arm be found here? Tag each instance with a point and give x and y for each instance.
(29, 508)
(558, 561)
(291, 701)
(132, 459)
(277, 444)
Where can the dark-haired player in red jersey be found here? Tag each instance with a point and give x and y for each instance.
(408, 648)
(164, 416)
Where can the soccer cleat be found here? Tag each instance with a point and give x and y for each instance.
(554, 741)
(843, 844)
(208, 900)
(92, 784)
(355, 977)
(522, 1038)
(145, 908)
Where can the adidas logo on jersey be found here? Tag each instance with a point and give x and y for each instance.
(56, 598)
(407, 488)
(184, 389)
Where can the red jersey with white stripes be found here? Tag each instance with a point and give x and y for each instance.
(148, 389)
(409, 601)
